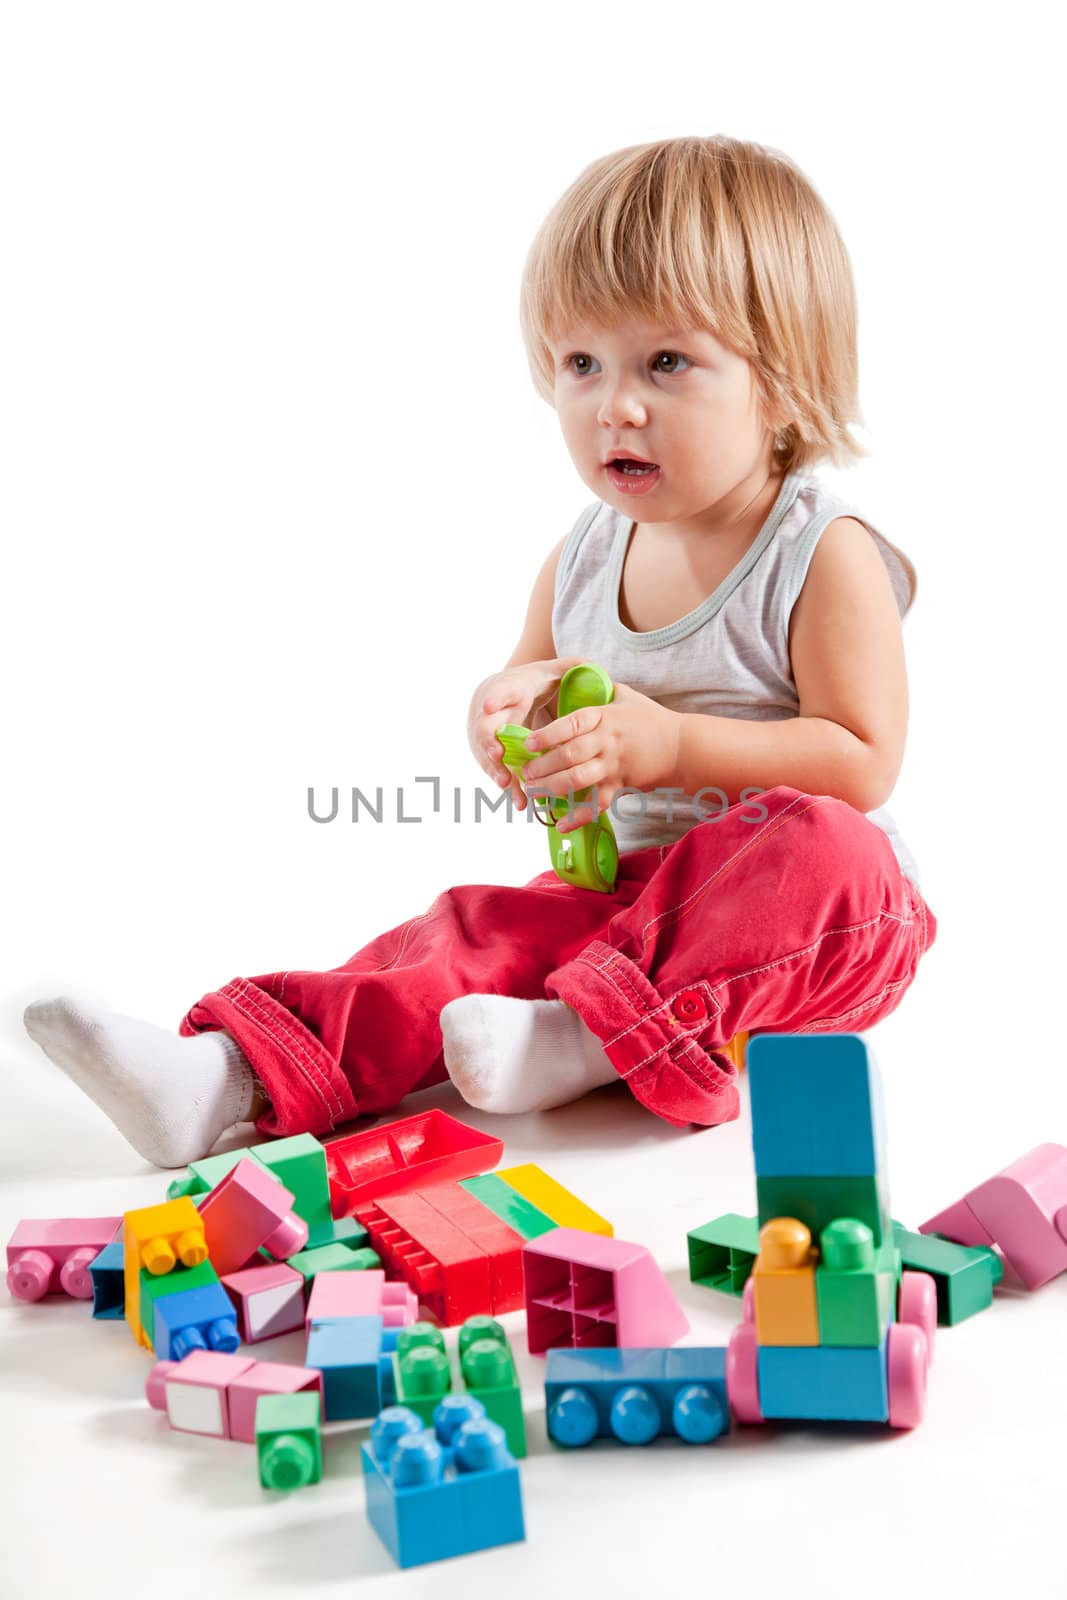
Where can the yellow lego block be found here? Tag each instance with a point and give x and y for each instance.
(156, 1237)
(735, 1049)
(565, 1209)
(786, 1305)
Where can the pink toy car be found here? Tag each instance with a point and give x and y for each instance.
(53, 1255)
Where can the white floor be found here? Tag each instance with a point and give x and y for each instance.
(101, 1497)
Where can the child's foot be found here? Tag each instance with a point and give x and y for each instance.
(513, 1055)
(171, 1097)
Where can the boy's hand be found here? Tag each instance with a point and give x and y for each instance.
(525, 695)
(630, 744)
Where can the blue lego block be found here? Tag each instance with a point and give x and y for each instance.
(354, 1357)
(817, 1106)
(428, 1499)
(823, 1383)
(635, 1395)
(109, 1283)
(194, 1319)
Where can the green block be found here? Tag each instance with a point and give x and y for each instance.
(173, 1282)
(509, 1205)
(332, 1258)
(820, 1201)
(964, 1275)
(289, 1440)
(339, 1230)
(484, 1367)
(204, 1175)
(723, 1252)
(855, 1285)
(299, 1163)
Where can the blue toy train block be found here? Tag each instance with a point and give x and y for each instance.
(824, 1384)
(354, 1355)
(817, 1106)
(635, 1395)
(194, 1319)
(109, 1283)
(444, 1491)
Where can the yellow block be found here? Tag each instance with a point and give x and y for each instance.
(157, 1237)
(565, 1209)
(735, 1049)
(786, 1305)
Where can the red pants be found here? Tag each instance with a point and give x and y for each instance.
(786, 914)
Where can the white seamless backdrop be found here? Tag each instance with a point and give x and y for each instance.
(275, 485)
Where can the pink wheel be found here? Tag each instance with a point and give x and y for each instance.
(742, 1374)
(917, 1304)
(748, 1299)
(74, 1274)
(906, 1362)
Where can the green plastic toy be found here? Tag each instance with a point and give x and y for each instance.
(589, 855)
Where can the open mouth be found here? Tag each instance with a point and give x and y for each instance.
(631, 475)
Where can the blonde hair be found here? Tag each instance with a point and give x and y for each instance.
(719, 234)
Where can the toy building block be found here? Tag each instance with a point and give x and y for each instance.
(565, 1209)
(636, 1395)
(854, 1285)
(268, 1300)
(156, 1238)
(425, 1379)
(824, 1383)
(332, 1259)
(445, 1491)
(152, 1289)
(355, 1358)
(817, 1107)
(288, 1440)
(195, 1392)
(584, 1290)
(783, 1280)
(723, 1252)
(197, 1319)
(819, 1201)
(109, 1294)
(53, 1255)
(449, 1272)
(964, 1276)
(1022, 1210)
(335, 1295)
(509, 1205)
(411, 1153)
(260, 1378)
(500, 1243)
(248, 1211)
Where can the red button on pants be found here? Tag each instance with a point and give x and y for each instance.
(787, 914)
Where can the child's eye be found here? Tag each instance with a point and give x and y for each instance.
(571, 363)
(671, 355)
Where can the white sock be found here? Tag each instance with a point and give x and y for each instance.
(172, 1098)
(512, 1055)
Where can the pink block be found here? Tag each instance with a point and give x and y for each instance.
(1025, 1209)
(53, 1255)
(361, 1294)
(958, 1223)
(195, 1392)
(265, 1377)
(585, 1291)
(268, 1300)
(247, 1211)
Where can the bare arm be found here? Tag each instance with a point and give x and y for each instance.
(847, 653)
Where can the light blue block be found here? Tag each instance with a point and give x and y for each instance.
(817, 1106)
(348, 1351)
(825, 1384)
(109, 1283)
(634, 1396)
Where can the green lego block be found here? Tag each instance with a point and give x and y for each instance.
(484, 1368)
(289, 1439)
(855, 1285)
(339, 1230)
(509, 1205)
(299, 1163)
(331, 1258)
(173, 1282)
(819, 1201)
(964, 1275)
(723, 1252)
(205, 1174)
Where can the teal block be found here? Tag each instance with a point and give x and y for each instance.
(855, 1286)
(817, 1105)
(964, 1275)
(723, 1252)
(824, 1384)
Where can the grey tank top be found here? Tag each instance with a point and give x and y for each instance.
(729, 657)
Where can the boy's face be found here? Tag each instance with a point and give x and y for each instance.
(677, 399)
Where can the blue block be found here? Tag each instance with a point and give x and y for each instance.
(826, 1384)
(194, 1319)
(633, 1396)
(109, 1284)
(817, 1106)
(427, 1500)
(351, 1353)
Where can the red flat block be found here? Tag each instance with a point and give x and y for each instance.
(449, 1272)
(411, 1153)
